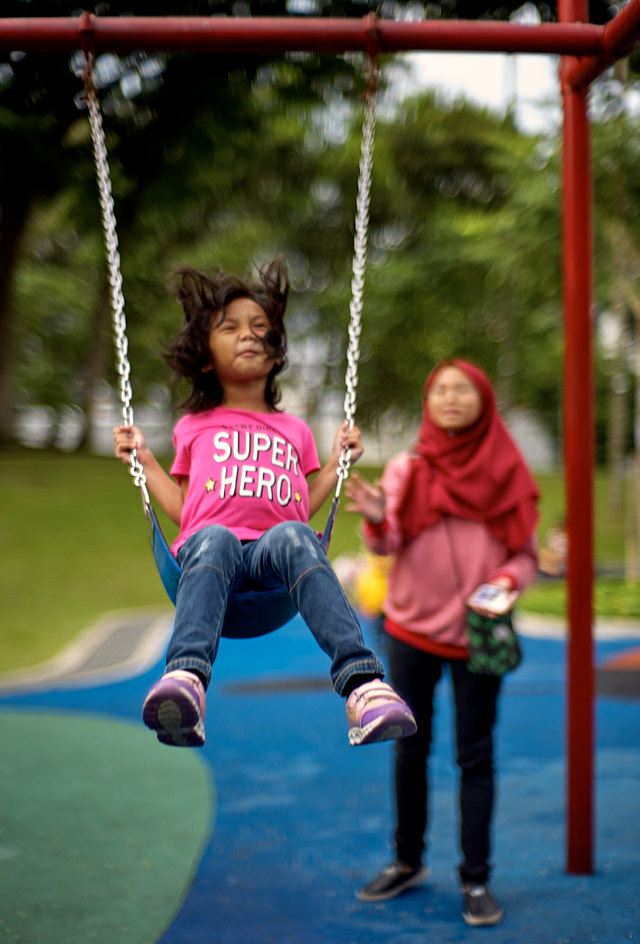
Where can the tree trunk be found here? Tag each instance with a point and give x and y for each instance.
(617, 412)
(14, 204)
(626, 259)
(96, 362)
(632, 543)
(508, 360)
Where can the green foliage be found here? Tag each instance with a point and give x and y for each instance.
(224, 160)
(55, 294)
(609, 535)
(617, 235)
(183, 153)
(613, 598)
(468, 264)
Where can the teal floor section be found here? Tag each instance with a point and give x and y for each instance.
(100, 833)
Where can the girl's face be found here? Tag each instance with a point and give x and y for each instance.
(453, 401)
(236, 342)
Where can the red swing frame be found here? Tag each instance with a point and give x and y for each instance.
(586, 50)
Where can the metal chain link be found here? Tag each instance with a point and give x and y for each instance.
(360, 243)
(110, 235)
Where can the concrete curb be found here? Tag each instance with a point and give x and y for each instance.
(119, 645)
(555, 627)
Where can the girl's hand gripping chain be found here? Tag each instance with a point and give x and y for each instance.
(347, 437)
(126, 439)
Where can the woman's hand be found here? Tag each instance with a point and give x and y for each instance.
(365, 499)
(126, 439)
(502, 603)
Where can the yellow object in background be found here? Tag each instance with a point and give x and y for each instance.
(364, 579)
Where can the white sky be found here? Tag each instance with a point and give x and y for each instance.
(494, 80)
(529, 83)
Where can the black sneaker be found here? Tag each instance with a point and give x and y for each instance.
(480, 906)
(393, 880)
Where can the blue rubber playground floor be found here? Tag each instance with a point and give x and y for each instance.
(265, 834)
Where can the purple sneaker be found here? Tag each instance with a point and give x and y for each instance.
(174, 709)
(376, 713)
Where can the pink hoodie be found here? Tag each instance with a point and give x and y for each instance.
(433, 575)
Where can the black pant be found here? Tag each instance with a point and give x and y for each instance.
(414, 675)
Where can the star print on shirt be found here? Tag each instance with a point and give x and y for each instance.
(298, 497)
(210, 485)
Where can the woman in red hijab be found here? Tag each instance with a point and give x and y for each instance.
(457, 511)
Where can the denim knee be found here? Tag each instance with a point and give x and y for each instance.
(294, 536)
(210, 545)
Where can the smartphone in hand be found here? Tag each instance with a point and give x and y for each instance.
(492, 598)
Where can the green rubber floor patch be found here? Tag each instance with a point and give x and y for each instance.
(101, 829)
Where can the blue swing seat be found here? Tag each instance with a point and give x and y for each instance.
(249, 612)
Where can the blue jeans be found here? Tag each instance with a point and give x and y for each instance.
(214, 562)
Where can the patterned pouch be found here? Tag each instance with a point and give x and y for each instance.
(493, 645)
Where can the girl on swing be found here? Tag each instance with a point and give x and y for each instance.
(238, 490)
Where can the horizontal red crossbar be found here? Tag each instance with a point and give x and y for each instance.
(304, 34)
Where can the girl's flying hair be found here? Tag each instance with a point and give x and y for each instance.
(204, 299)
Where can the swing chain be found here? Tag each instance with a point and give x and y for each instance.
(361, 238)
(123, 365)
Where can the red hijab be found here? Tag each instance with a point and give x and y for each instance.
(477, 473)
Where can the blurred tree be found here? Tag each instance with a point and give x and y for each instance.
(617, 194)
(463, 254)
(467, 262)
(599, 10)
(158, 109)
(195, 151)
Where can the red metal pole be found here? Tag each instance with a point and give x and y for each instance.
(579, 462)
(620, 36)
(281, 34)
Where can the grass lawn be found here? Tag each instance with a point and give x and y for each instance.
(74, 546)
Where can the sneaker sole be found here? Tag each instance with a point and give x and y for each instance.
(412, 882)
(176, 720)
(396, 723)
(486, 921)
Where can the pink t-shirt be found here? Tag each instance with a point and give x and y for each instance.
(432, 575)
(247, 471)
